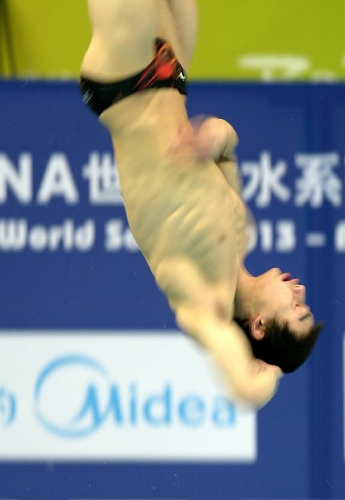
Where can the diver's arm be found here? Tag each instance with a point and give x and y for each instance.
(204, 313)
(247, 379)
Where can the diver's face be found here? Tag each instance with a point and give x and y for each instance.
(285, 299)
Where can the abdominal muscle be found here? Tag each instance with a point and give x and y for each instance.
(175, 206)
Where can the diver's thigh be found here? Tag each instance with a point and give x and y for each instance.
(185, 18)
(123, 34)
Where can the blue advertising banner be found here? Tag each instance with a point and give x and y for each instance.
(100, 396)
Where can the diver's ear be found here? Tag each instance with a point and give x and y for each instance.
(257, 327)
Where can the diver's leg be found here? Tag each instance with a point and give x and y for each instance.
(185, 19)
(123, 34)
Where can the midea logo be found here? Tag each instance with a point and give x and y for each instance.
(74, 397)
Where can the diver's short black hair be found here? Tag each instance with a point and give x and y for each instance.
(280, 345)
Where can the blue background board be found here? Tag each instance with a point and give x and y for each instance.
(301, 432)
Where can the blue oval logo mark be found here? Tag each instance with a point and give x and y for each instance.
(67, 396)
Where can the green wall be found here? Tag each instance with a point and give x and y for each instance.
(238, 39)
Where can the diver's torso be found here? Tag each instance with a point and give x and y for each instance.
(174, 205)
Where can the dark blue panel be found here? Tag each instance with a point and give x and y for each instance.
(301, 432)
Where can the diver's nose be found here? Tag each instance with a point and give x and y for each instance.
(299, 293)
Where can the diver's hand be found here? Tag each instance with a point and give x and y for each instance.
(205, 139)
(263, 382)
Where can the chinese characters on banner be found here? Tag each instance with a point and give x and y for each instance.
(318, 179)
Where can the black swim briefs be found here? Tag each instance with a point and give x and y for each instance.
(163, 71)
